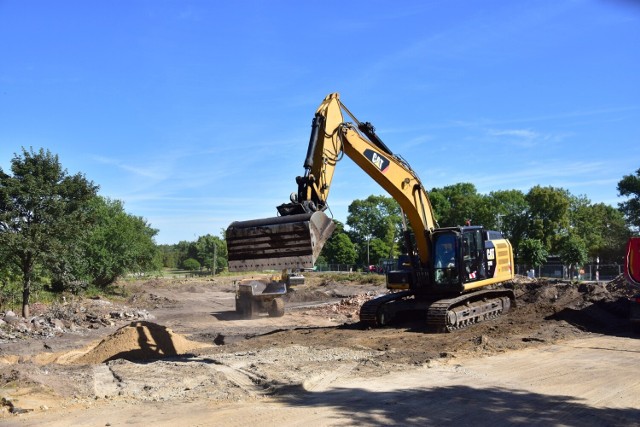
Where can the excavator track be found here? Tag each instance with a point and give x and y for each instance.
(452, 314)
(371, 313)
(446, 315)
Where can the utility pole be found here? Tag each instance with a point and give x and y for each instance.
(215, 256)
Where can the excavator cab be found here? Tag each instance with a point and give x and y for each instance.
(462, 258)
(458, 256)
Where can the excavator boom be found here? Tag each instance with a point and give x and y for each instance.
(295, 238)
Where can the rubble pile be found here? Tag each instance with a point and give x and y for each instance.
(67, 317)
(348, 307)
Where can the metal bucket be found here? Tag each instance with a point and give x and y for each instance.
(279, 243)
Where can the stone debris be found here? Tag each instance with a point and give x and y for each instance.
(348, 307)
(67, 317)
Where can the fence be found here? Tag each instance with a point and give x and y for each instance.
(604, 272)
(339, 267)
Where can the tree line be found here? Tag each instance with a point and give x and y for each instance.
(541, 222)
(208, 252)
(58, 233)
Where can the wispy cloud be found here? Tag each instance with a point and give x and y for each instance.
(519, 133)
(142, 171)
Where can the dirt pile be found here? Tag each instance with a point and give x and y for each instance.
(139, 341)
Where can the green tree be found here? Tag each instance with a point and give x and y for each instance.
(339, 249)
(440, 205)
(532, 252)
(185, 250)
(602, 228)
(629, 186)
(42, 212)
(210, 249)
(169, 256)
(572, 251)
(378, 249)
(191, 264)
(375, 217)
(117, 243)
(510, 208)
(456, 204)
(548, 216)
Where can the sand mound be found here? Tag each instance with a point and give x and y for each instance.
(139, 341)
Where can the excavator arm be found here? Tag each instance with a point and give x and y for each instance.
(294, 239)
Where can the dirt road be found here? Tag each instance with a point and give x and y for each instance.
(564, 356)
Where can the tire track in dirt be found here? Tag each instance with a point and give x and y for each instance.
(241, 378)
(322, 381)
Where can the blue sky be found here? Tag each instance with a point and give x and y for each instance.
(198, 113)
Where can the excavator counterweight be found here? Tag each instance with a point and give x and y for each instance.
(278, 243)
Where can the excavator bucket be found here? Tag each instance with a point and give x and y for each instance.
(279, 243)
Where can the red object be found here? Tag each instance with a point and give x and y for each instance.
(632, 261)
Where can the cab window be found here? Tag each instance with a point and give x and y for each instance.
(473, 256)
(445, 260)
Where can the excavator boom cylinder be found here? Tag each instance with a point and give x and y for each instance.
(278, 243)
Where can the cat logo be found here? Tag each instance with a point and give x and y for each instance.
(381, 162)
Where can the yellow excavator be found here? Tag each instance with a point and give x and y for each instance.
(450, 276)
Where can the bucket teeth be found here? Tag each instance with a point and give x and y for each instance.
(284, 242)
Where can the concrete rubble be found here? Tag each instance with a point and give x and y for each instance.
(67, 317)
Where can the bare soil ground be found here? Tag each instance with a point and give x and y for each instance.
(176, 353)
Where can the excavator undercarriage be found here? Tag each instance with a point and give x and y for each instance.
(441, 315)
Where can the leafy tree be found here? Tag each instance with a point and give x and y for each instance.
(378, 249)
(118, 243)
(602, 228)
(42, 212)
(629, 186)
(375, 217)
(339, 249)
(184, 250)
(169, 256)
(440, 205)
(209, 249)
(510, 208)
(572, 251)
(462, 204)
(532, 252)
(548, 214)
(191, 264)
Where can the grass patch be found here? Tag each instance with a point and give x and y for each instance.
(353, 277)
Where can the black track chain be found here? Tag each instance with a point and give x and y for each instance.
(369, 310)
(438, 313)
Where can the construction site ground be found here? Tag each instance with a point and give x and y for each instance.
(565, 355)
